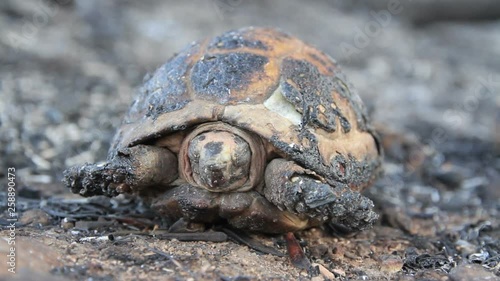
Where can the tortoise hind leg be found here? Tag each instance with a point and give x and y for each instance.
(300, 191)
(132, 170)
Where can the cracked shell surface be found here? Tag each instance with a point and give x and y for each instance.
(267, 82)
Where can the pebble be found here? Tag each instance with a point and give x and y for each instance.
(327, 274)
(67, 224)
(472, 272)
(36, 217)
(391, 263)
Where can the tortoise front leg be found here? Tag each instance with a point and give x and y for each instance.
(301, 191)
(131, 170)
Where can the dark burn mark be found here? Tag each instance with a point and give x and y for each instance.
(166, 90)
(361, 172)
(292, 94)
(342, 169)
(347, 92)
(334, 203)
(320, 60)
(310, 156)
(214, 79)
(236, 39)
(213, 148)
(311, 93)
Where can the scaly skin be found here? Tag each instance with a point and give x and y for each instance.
(130, 171)
(302, 192)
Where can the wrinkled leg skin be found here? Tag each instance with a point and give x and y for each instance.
(300, 191)
(131, 171)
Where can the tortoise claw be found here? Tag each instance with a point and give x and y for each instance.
(297, 255)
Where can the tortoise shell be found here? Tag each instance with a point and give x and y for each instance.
(267, 82)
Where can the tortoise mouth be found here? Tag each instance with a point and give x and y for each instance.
(222, 158)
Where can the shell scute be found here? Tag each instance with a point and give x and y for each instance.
(222, 78)
(167, 89)
(305, 87)
(234, 40)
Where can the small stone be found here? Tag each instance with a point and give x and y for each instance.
(339, 271)
(391, 263)
(327, 274)
(319, 250)
(67, 224)
(35, 217)
(471, 272)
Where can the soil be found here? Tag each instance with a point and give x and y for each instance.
(68, 72)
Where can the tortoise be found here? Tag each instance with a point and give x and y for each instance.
(253, 128)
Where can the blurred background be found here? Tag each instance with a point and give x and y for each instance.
(428, 71)
(69, 68)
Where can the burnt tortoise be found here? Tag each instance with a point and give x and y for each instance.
(253, 128)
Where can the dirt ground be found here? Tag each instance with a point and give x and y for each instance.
(68, 72)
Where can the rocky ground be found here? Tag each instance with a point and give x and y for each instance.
(69, 69)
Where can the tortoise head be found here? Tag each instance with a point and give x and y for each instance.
(219, 160)
(222, 158)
